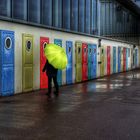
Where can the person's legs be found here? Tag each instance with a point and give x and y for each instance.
(49, 85)
(56, 85)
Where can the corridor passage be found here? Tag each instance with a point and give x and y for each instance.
(103, 109)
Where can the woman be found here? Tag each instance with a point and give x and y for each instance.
(51, 72)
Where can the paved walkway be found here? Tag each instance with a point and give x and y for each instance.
(102, 109)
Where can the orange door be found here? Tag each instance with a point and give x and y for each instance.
(43, 77)
(84, 61)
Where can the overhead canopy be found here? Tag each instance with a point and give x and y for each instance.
(129, 4)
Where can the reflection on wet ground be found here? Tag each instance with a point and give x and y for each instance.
(100, 109)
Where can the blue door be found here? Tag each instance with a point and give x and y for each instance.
(136, 58)
(127, 51)
(6, 63)
(69, 50)
(119, 59)
(94, 60)
(59, 73)
(90, 61)
(114, 59)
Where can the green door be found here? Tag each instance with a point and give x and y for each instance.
(122, 59)
(102, 58)
(78, 56)
(27, 62)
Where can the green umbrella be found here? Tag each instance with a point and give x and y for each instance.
(56, 56)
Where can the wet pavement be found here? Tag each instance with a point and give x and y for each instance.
(101, 109)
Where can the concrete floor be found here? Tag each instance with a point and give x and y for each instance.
(102, 109)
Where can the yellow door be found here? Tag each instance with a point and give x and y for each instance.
(78, 53)
(27, 62)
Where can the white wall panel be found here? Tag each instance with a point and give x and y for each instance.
(51, 34)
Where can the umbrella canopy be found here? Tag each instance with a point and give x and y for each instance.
(56, 56)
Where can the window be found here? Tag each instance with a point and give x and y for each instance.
(102, 51)
(47, 12)
(74, 15)
(102, 18)
(119, 13)
(28, 45)
(44, 45)
(66, 14)
(34, 11)
(90, 51)
(87, 17)
(8, 43)
(57, 13)
(128, 52)
(93, 17)
(129, 17)
(79, 50)
(81, 15)
(19, 9)
(85, 50)
(69, 50)
(5, 8)
(107, 18)
(94, 50)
